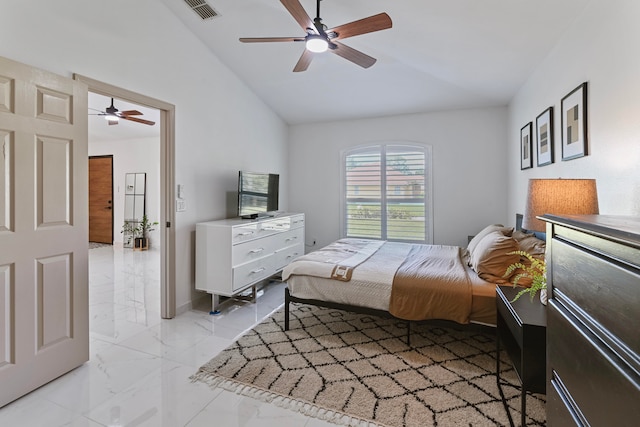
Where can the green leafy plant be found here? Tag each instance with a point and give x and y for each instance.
(536, 270)
(145, 227)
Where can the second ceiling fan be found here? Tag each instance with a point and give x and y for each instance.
(320, 39)
(113, 115)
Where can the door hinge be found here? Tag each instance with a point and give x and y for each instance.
(168, 224)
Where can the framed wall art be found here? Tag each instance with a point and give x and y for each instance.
(574, 123)
(544, 137)
(526, 155)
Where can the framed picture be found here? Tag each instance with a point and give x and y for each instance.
(544, 137)
(526, 156)
(574, 123)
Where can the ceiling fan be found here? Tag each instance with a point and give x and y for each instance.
(113, 115)
(320, 39)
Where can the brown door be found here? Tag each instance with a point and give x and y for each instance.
(101, 199)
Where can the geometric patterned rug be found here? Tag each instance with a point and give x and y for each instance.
(355, 369)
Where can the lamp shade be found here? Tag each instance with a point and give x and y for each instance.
(558, 197)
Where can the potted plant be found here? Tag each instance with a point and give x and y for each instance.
(141, 239)
(535, 270)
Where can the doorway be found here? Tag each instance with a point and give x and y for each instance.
(101, 199)
(167, 179)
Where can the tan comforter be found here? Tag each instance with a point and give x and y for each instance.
(432, 283)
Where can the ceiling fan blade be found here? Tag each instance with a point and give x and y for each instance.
(137, 120)
(270, 39)
(299, 14)
(131, 113)
(304, 61)
(378, 22)
(352, 55)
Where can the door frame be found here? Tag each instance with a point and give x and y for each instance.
(167, 184)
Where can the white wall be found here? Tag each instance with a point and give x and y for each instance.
(133, 156)
(469, 176)
(601, 48)
(221, 126)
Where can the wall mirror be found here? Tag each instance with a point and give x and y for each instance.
(134, 203)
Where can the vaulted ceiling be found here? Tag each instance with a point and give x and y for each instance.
(439, 54)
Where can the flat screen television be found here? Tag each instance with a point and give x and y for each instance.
(257, 194)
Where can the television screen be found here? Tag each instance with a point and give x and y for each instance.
(257, 193)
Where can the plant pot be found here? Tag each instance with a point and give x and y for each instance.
(141, 243)
(543, 296)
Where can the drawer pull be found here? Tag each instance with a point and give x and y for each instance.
(291, 238)
(246, 233)
(259, 270)
(256, 251)
(291, 256)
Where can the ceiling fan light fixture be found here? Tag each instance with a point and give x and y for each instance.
(111, 117)
(316, 43)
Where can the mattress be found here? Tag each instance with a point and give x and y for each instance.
(370, 285)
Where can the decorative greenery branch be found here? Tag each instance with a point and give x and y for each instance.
(536, 271)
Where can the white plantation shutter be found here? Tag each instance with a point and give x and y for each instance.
(386, 193)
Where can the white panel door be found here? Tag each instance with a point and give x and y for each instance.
(44, 319)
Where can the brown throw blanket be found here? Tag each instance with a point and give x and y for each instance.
(432, 283)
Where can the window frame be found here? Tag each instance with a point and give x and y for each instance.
(383, 148)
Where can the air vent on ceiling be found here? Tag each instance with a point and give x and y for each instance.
(201, 7)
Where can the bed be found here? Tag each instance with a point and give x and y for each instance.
(411, 282)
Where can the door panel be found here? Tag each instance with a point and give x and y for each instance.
(100, 199)
(43, 228)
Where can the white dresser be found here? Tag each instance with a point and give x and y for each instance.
(234, 254)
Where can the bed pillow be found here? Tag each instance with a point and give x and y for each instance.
(520, 234)
(533, 246)
(491, 257)
(507, 231)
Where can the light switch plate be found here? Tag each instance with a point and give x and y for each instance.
(181, 205)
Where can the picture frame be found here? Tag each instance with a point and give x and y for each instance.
(573, 116)
(526, 154)
(544, 137)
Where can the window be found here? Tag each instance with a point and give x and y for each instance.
(386, 192)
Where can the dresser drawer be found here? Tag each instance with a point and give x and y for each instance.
(252, 272)
(606, 291)
(289, 238)
(244, 232)
(252, 250)
(592, 374)
(284, 256)
(560, 405)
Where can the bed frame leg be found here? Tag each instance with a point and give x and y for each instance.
(286, 309)
(409, 333)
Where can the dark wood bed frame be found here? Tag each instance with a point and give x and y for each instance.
(288, 298)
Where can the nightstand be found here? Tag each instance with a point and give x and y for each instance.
(522, 329)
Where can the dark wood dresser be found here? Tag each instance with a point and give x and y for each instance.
(593, 320)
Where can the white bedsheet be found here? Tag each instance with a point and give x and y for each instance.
(370, 284)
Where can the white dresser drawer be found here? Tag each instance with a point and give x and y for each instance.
(288, 238)
(252, 250)
(284, 256)
(297, 221)
(251, 272)
(244, 232)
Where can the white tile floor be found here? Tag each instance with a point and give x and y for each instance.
(139, 368)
